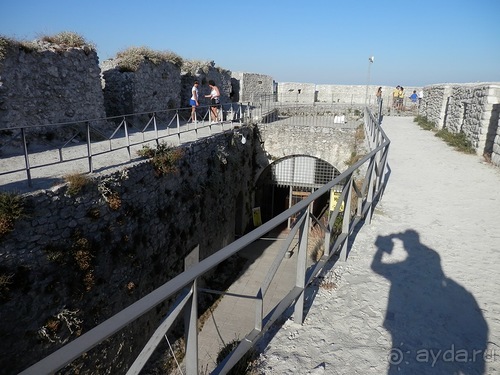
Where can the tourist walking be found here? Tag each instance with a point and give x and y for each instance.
(214, 101)
(194, 100)
(379, 95)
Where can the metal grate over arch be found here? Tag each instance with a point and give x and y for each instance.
(302, 171)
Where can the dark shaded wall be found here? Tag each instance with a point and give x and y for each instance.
(82, 257)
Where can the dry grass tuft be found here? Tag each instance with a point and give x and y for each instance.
(131, 58)
(76, 182)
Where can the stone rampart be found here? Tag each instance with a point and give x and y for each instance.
(292, 92)
(251, 87)
(472, 109)
(150, 88)
(49, 85)
(203, 75)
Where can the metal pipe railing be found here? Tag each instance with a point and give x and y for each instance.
(125, 139)
(367, 195)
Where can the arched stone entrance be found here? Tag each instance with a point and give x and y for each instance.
(290, 179)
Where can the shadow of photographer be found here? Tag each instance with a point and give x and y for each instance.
(436, 325)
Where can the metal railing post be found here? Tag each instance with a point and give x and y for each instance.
(346, 219)
(26, 157)
(259, 310)
(155, 125)
(125, 128)
(300, 280)
(191, 318)
(89, 149)
(178, 125)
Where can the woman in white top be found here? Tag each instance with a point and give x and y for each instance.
(194, 101)
(214, 101)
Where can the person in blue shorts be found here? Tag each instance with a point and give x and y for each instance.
(193, 102)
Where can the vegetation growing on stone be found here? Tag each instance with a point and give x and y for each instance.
(164, 158)
(359, 137)
(67, 39)
(195, 67)
(131, 58)
(458, 141)
(64, 39)
(424, 123)
(76, 182)
(11, 209)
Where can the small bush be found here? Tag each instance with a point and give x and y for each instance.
(131, 58)
(11, 209)
(164, 158)
(76, 182)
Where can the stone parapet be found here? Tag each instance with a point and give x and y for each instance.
(470, 108)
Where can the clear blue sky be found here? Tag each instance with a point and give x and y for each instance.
(415, 43)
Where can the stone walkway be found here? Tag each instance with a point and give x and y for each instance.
(107, 155)
(419, 291)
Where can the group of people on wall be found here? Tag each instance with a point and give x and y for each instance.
(398, 96)
(214, 101)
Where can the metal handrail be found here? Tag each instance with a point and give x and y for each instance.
(120, 133)
(335, 245)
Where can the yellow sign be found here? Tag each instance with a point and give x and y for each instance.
(257, 220)
(334, 198)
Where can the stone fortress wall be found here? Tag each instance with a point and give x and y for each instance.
(473, 109)
(77, 258)
(292, 92)
(56, 84)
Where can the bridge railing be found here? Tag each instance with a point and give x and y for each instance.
(354, 206)
(97, 138)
